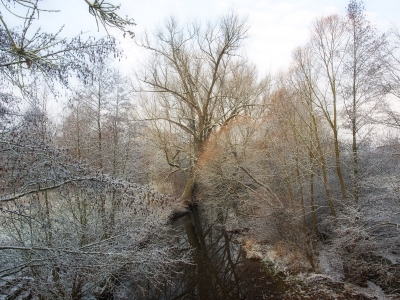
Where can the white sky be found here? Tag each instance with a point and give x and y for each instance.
(277, 27)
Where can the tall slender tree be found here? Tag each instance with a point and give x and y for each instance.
(364, 73)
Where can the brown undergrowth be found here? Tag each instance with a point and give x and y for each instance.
(292, 279)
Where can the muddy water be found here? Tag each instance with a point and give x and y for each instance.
(220, 269)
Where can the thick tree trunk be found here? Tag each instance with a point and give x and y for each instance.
(187, 195)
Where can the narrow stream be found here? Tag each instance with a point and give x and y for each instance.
(220, 269)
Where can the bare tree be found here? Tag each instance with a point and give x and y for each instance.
(393, 64)
(195, 81)
(304, 80)
(364, 73)
(67, 229)
(25, 55)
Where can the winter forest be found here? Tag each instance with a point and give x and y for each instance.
(193, 176)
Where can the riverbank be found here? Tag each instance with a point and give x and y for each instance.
(307, 285)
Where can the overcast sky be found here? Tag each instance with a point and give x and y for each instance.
(277, 27)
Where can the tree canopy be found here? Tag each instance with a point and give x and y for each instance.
(28, 52)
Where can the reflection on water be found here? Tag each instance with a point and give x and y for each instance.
(216, 257)
(219, 270)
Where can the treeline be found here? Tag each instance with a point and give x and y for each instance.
(73, 221)
(306, 158)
